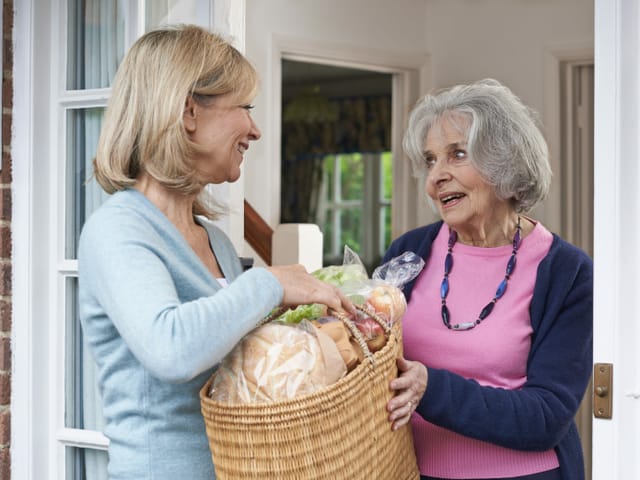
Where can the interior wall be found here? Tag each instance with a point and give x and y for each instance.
(509, 40)
(504, 39)
(377, 25)
(466, 40)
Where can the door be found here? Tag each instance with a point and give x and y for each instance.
(616, 234)
(66, 53)
(336, 166)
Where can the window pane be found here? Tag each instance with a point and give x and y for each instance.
(84, 194)
(387, 175)
(351, 228)
(351, 176)
(385, 233)
(329, 163)
(83, 405)
(328, 244)
(95, 42)
(86, 464)
(159, 13)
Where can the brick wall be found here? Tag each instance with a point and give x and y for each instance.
(5, 243)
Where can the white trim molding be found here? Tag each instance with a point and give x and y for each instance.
(22, 403)
(554, 58)
(228, 17)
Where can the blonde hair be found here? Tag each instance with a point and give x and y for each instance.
(143, 125)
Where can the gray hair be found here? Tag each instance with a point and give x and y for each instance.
(504, 140)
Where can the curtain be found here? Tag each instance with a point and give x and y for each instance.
(314, 127)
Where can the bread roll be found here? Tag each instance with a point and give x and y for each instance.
(276, 362)
(337, 331)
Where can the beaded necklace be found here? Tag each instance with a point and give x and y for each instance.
(444, 286)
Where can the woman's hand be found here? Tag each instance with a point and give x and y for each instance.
(302, 288)
(409, 387)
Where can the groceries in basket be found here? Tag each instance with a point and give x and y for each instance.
(278, 361)
(304, 349)
(380, 295)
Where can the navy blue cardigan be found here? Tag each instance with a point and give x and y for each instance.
(540, 415)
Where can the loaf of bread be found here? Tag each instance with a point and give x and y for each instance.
(277, 362)
(347, 347)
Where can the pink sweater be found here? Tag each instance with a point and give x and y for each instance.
(494, 353)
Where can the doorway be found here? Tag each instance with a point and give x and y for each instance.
(336, 156)
(577, 179)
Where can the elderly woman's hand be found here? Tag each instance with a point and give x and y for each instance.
(409, 387)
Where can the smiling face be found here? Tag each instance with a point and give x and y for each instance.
(222, 130)
(466, 202)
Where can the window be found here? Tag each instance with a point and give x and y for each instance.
(97, 35)
(355, 206)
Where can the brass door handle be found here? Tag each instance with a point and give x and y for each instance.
(602, 390)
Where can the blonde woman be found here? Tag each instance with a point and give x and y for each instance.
(163, 297)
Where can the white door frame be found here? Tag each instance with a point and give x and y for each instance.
(33, 427)
(617, 233)
(22, 345)
(554, 57)
(229, 17)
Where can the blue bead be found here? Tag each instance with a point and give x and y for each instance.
(445, 315)
(444, 288)
(448, 263)
(486, 310)
(453, 238)
(512, 264)
(501, 288)
(517, 240)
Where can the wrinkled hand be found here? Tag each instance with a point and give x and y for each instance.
(302, 288)
(409, 387)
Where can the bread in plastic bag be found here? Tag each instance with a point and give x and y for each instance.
(276, 362)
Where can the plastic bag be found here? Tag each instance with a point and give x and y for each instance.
(351, 272)
(381, 293)
(399, 270)
(275, 362)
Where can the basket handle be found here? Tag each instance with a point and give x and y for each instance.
(357, 334)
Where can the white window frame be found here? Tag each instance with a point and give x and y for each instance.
(38, 436)
(371, 203)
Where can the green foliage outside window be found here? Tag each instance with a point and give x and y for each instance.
(346, 216)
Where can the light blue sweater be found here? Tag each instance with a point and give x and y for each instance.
(157, 323)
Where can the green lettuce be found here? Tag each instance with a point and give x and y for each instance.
(296, 315)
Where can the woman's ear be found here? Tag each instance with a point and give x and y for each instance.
(189, 115)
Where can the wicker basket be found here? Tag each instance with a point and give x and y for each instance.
(340, 432)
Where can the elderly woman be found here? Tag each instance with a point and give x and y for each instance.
(498, 330)
(163, 297)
